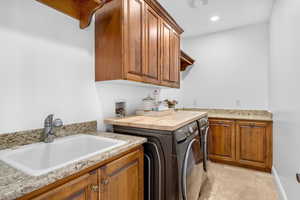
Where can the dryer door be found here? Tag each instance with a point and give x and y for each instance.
(193, 173)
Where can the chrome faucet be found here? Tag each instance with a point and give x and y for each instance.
(49, 124)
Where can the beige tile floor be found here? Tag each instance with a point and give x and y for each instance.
(233, 183)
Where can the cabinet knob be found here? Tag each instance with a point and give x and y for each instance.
(104, 181)
(95, 188)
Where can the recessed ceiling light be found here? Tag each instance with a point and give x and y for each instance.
(215, 18)
(198, 3)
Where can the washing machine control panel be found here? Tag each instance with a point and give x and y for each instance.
(183, 133)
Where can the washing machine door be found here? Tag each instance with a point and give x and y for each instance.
(193, 173)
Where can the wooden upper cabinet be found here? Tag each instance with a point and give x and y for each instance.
(129, 43)
(175, 59)
(170, 47)
(109, 58)
(254, 144)
(151, 70)
(84, 187)
(123, 179)
(133, 39)
(166, 33)
(221, 140)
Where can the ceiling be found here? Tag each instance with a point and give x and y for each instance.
(233, 13)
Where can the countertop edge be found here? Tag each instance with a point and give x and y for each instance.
(236, 114)
(156, 127)
(239, 118)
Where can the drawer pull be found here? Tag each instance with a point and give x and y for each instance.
(252, 125)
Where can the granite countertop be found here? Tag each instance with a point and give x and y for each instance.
(14, 183)
(168, 122)
(259, 115)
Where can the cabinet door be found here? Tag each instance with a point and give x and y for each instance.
(170, 47)
(166, 33)
(151, 70)
(254, 144)
(175, 59)
(82, 188)
(123, 179)
(221, 140)
(133, 39)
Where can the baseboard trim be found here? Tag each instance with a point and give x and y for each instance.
(281, 191)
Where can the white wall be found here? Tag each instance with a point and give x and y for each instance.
(230, 66)
(173, 94)
(109, 93)
(284, 92)
(47, 66)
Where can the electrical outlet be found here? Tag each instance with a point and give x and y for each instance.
(195, 103)
(238, 103)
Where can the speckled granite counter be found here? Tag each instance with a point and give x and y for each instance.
(258, 115)
(169, 122)
(15, 183)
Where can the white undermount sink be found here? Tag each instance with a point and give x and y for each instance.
(41, 158)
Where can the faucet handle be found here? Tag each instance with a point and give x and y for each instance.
(58, 123)
(48, 120)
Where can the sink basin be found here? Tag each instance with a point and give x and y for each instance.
(41, 158)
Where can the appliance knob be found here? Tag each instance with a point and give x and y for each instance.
(203, 122)
(191, 130)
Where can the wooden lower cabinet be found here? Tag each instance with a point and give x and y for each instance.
(221, 145)
(120, 179)
(123, 179)
(254, 144)
(241, 142)
(84, 187)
